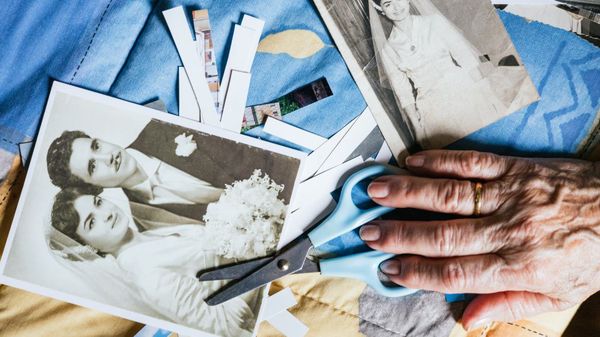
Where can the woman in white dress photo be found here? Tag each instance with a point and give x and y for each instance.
(433, 70)
(160, 264)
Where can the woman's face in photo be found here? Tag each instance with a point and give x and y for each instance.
(395, 10)
(102, 224)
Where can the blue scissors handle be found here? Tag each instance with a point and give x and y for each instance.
(364, 267)
(347, 216)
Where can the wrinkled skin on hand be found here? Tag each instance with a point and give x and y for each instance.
(534, 248)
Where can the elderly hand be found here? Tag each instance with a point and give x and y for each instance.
(534, 248)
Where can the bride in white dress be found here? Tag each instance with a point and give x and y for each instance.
(160, 264)
(434, 72)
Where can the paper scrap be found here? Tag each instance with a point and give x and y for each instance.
(290, 102)
(257, 114)
(305, 95)
(206, 52)
(278, 302)
(186, 47)
(325, 182)
(235, 102)
(385, 154)
(293, 134)
(242, 51)
(310, 212)
(25, 152)
(315, 160)
(363, 126)
(288, 325)
(188, 107)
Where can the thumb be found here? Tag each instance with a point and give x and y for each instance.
(506, 306)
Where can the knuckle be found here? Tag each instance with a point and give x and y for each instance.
(450, 196)
(475, 162)
(453, 276)
(398, 236)
(444, 240)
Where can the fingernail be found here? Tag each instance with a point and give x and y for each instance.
(378, 190)
(370, 232)
(479, 324)
(415, 161)
(390, 267)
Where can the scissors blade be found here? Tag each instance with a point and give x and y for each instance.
(310, 266)
(290, 260)
(233, 271)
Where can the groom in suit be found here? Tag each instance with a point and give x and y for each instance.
(77, 160)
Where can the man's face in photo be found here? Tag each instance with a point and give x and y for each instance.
(101, 163)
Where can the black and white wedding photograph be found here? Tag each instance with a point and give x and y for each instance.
(126, 204)
(430, 74)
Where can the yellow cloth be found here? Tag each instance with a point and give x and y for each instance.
(329, 306)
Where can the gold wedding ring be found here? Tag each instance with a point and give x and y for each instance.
(477, 196)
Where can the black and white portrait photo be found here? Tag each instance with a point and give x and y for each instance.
(123, 205)
(432, 71)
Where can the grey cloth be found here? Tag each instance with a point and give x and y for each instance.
(424, 314)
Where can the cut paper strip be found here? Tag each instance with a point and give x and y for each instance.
(235, 102)
(188, 107)
(311, 212)
(186, 47)
(206, 51)
(313, 161)
(251, 22)
(365, 123)
(288, 325)
(293, 134)
(25, 152)
(276, 303)
(242, 51)
(325, 182)
(384, 155)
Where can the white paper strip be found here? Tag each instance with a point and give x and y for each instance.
(311, 212)
(384, 155)
(288, 325)
(253, 23)
(313, 161)
(293, 134)
(276, 303)
(235, 102)
(242, 51)
(325, 182)
(364, 124)
(188, 107)
(186, 47)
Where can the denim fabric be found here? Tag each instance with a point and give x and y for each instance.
(151, 69)
(80, 42)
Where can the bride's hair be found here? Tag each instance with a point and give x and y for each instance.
(64, 218)
(377, 6)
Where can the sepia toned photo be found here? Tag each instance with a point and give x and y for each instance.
(432, 71)
(123, 205)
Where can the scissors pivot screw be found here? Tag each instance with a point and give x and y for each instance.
(283, 264)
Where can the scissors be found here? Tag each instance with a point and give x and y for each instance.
(295, 258)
